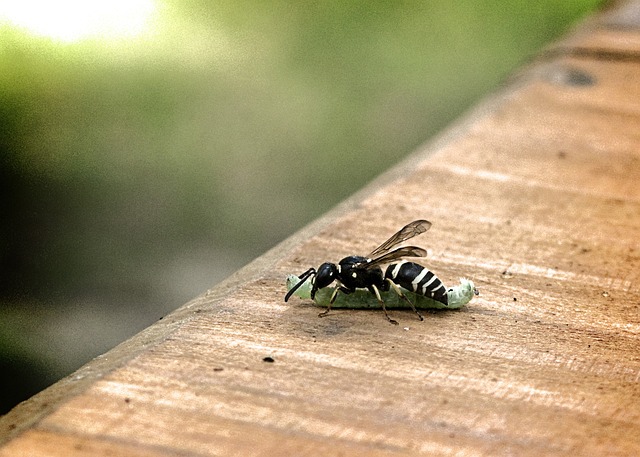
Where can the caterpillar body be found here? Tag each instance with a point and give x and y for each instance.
(457, 296)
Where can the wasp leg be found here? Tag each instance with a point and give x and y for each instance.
(333, 298)
(397, 290)
(375, 290)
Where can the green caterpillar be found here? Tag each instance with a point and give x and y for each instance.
(458, 296)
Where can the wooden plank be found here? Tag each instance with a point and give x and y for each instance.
(535, 195)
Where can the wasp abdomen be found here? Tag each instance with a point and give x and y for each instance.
(418, 279)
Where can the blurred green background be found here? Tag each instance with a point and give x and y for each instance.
(145, 159)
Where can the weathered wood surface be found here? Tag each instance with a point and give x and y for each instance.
(535, 195)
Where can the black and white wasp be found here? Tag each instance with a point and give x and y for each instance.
(357, 272)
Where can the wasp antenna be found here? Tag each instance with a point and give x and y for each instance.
(303, 278)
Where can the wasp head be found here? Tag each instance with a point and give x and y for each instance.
(325, 275)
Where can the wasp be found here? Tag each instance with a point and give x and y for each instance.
(358, 272)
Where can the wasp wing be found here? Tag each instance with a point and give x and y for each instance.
(408, 231)
(404, 251)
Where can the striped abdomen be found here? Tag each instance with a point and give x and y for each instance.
(418, 279)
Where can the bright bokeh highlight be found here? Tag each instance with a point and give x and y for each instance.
(75, 20)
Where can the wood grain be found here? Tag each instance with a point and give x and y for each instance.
(535, 195)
